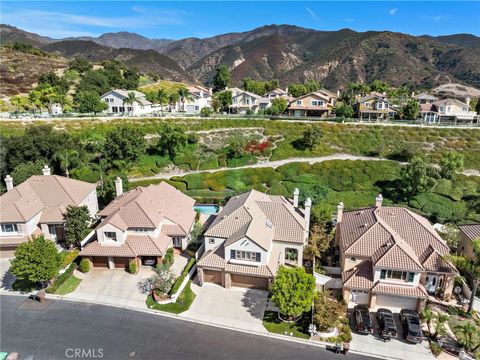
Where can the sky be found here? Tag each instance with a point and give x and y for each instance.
(181, 19)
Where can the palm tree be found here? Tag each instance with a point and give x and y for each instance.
(132, 98)
(468, 330)
(472, 267)
(184, 96)
(64, 160)
(427, 315)
(440, 321)
(161, 97)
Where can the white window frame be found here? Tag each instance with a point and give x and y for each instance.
(299, 102)
(211, 241)
(107, 236)
(246, 255)
(14, 228)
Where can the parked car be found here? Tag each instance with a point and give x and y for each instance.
(412, 331)
(363, 322)
(386, 324)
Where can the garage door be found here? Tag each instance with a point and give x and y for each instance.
(249, 281)
(359, 297)
(100, 261)
(7, 252)
(396, 303)
(212, 276)
(120, 262)
(190, 109)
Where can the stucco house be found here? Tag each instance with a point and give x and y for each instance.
(424, 98)
(276, 93)
(391, 257)
(251, 237)
(200, 97)
(140, 224)
(468, 233)
(374, 106)
(448, 110)
(245, 101)
(37, 206)
(318, 103)
(115, 100)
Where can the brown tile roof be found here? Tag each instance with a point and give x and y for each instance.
(40, 192)
(360, 277)
(471, 231)
(146, 207)
(400, 290)
(393, 237)
(95, 249)
(260, 217)
(437, 263)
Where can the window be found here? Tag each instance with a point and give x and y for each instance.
(441, 108)
(211, 241)
(114, 109)
(110, 235)
(368, 104)
(9, 228)
(317, 103)
(380, 105)
(138, 229)
(129, 108)
(245, 255)
(299, 102)
(397, 275)
(464, 109)
(353, 258)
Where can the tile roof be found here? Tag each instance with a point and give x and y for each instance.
(261, 218)
(124, 94)
(425, 96)
(400, 290)
(148, 207)
(360, 277)
(51, 193)
(471, 231)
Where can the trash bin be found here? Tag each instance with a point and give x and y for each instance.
(41, 296)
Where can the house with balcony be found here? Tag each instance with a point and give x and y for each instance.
(319, 103)
(117, 103)
(38, 205)
(448, 110)
(245, 101)
(391, 257)
(140, 225)
(251, 237)
(374, 106)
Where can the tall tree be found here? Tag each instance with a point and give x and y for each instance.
(468, 332)
(312, 136)
(279, 105)
(293, 291)
(411, 110)
(344, 110)
(472, 267)
(77, 222)
(417, 177)
(36, 260)
(27, 169)
(90, 102)
(65, 161)
(451, 163)
(184, 96)
(161, 98)
(130, 100)
(124, 142)
(225, 99)
(221, 79)
(79, 64)
(172, 138)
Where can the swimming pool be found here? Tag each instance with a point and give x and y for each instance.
(207, 209)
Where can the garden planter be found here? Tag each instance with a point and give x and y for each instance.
(289, 319)
(159, 298)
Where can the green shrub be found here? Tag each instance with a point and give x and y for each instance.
(168, 258)
(436, 349)
(84, 266)
(69, 257)
(132, 267)
(180, 279)
(60, 279)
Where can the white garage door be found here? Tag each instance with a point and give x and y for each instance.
(359, 297)
(396, 303)
(190, 109)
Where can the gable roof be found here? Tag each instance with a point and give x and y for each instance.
(471, 231)
(260, 217)
(147, 207)
(425, 96)
(49, 193)
(393, 237)
(450, 102)
(123, 94)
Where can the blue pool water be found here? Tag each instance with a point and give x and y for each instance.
(206, 209)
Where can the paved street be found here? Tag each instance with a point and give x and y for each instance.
(123, 334)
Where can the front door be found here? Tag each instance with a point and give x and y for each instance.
(177, 242)
(431, 283)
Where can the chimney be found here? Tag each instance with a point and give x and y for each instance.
(210, 90)
(384, 93)
(308, 207)
(467, 101)
(338, 93)
(296, 192)
(378, 200)
(340, 212)
(118, 186)
(9, 182)
(46, 170)
(413, 94)
(286, 90)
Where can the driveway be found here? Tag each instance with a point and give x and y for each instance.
(6, 279)
(394, 349)
(236, 307)
(116, 287)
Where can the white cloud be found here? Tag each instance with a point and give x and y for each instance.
(393, 11)
(312, 13)
(435, 18)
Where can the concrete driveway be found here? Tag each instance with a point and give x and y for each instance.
(394, 349)
(116, 287)
(236, 307)
(6, 279)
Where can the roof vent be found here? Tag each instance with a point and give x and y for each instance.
(366, 224)
(269, 223)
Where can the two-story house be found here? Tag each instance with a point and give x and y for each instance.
(373, 107)
(424, 98)
(251, 237)
(391, 257)
(38, 205)
(118, 103)
(276, 93)
(318, 103)
(140, 224)
(468, 233)
(200, 97)
(245, 101)
(447, 110)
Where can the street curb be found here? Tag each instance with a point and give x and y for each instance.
(319, 344)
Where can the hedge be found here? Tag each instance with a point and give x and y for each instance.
(60, 279)
(180, 279)
(168, 258)
(69, 257)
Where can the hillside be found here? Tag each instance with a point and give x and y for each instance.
(20, 70)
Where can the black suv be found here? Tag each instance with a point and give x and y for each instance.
(386, 324)
(363, 322)
(412, 331)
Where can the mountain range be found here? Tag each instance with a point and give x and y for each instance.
(284, 52)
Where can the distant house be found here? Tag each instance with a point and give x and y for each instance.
(251, 237)
(37, 206)
(318, 103)
(425, 98)
(276, 93)
(245, 101)
(468, 233)
(115, 100)
(374, 106)
(141, 225)
(448, 110)
(200, 97)
(55, 109)
(391, 257)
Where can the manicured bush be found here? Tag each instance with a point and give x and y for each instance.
(60, 279)
(436, 348)
(69, 257)
(168, 258)
(84, 266)
(132, 267)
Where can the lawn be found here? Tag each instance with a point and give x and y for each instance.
(182, 304)
(68, 286)
(456, 320)
(273, 324)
